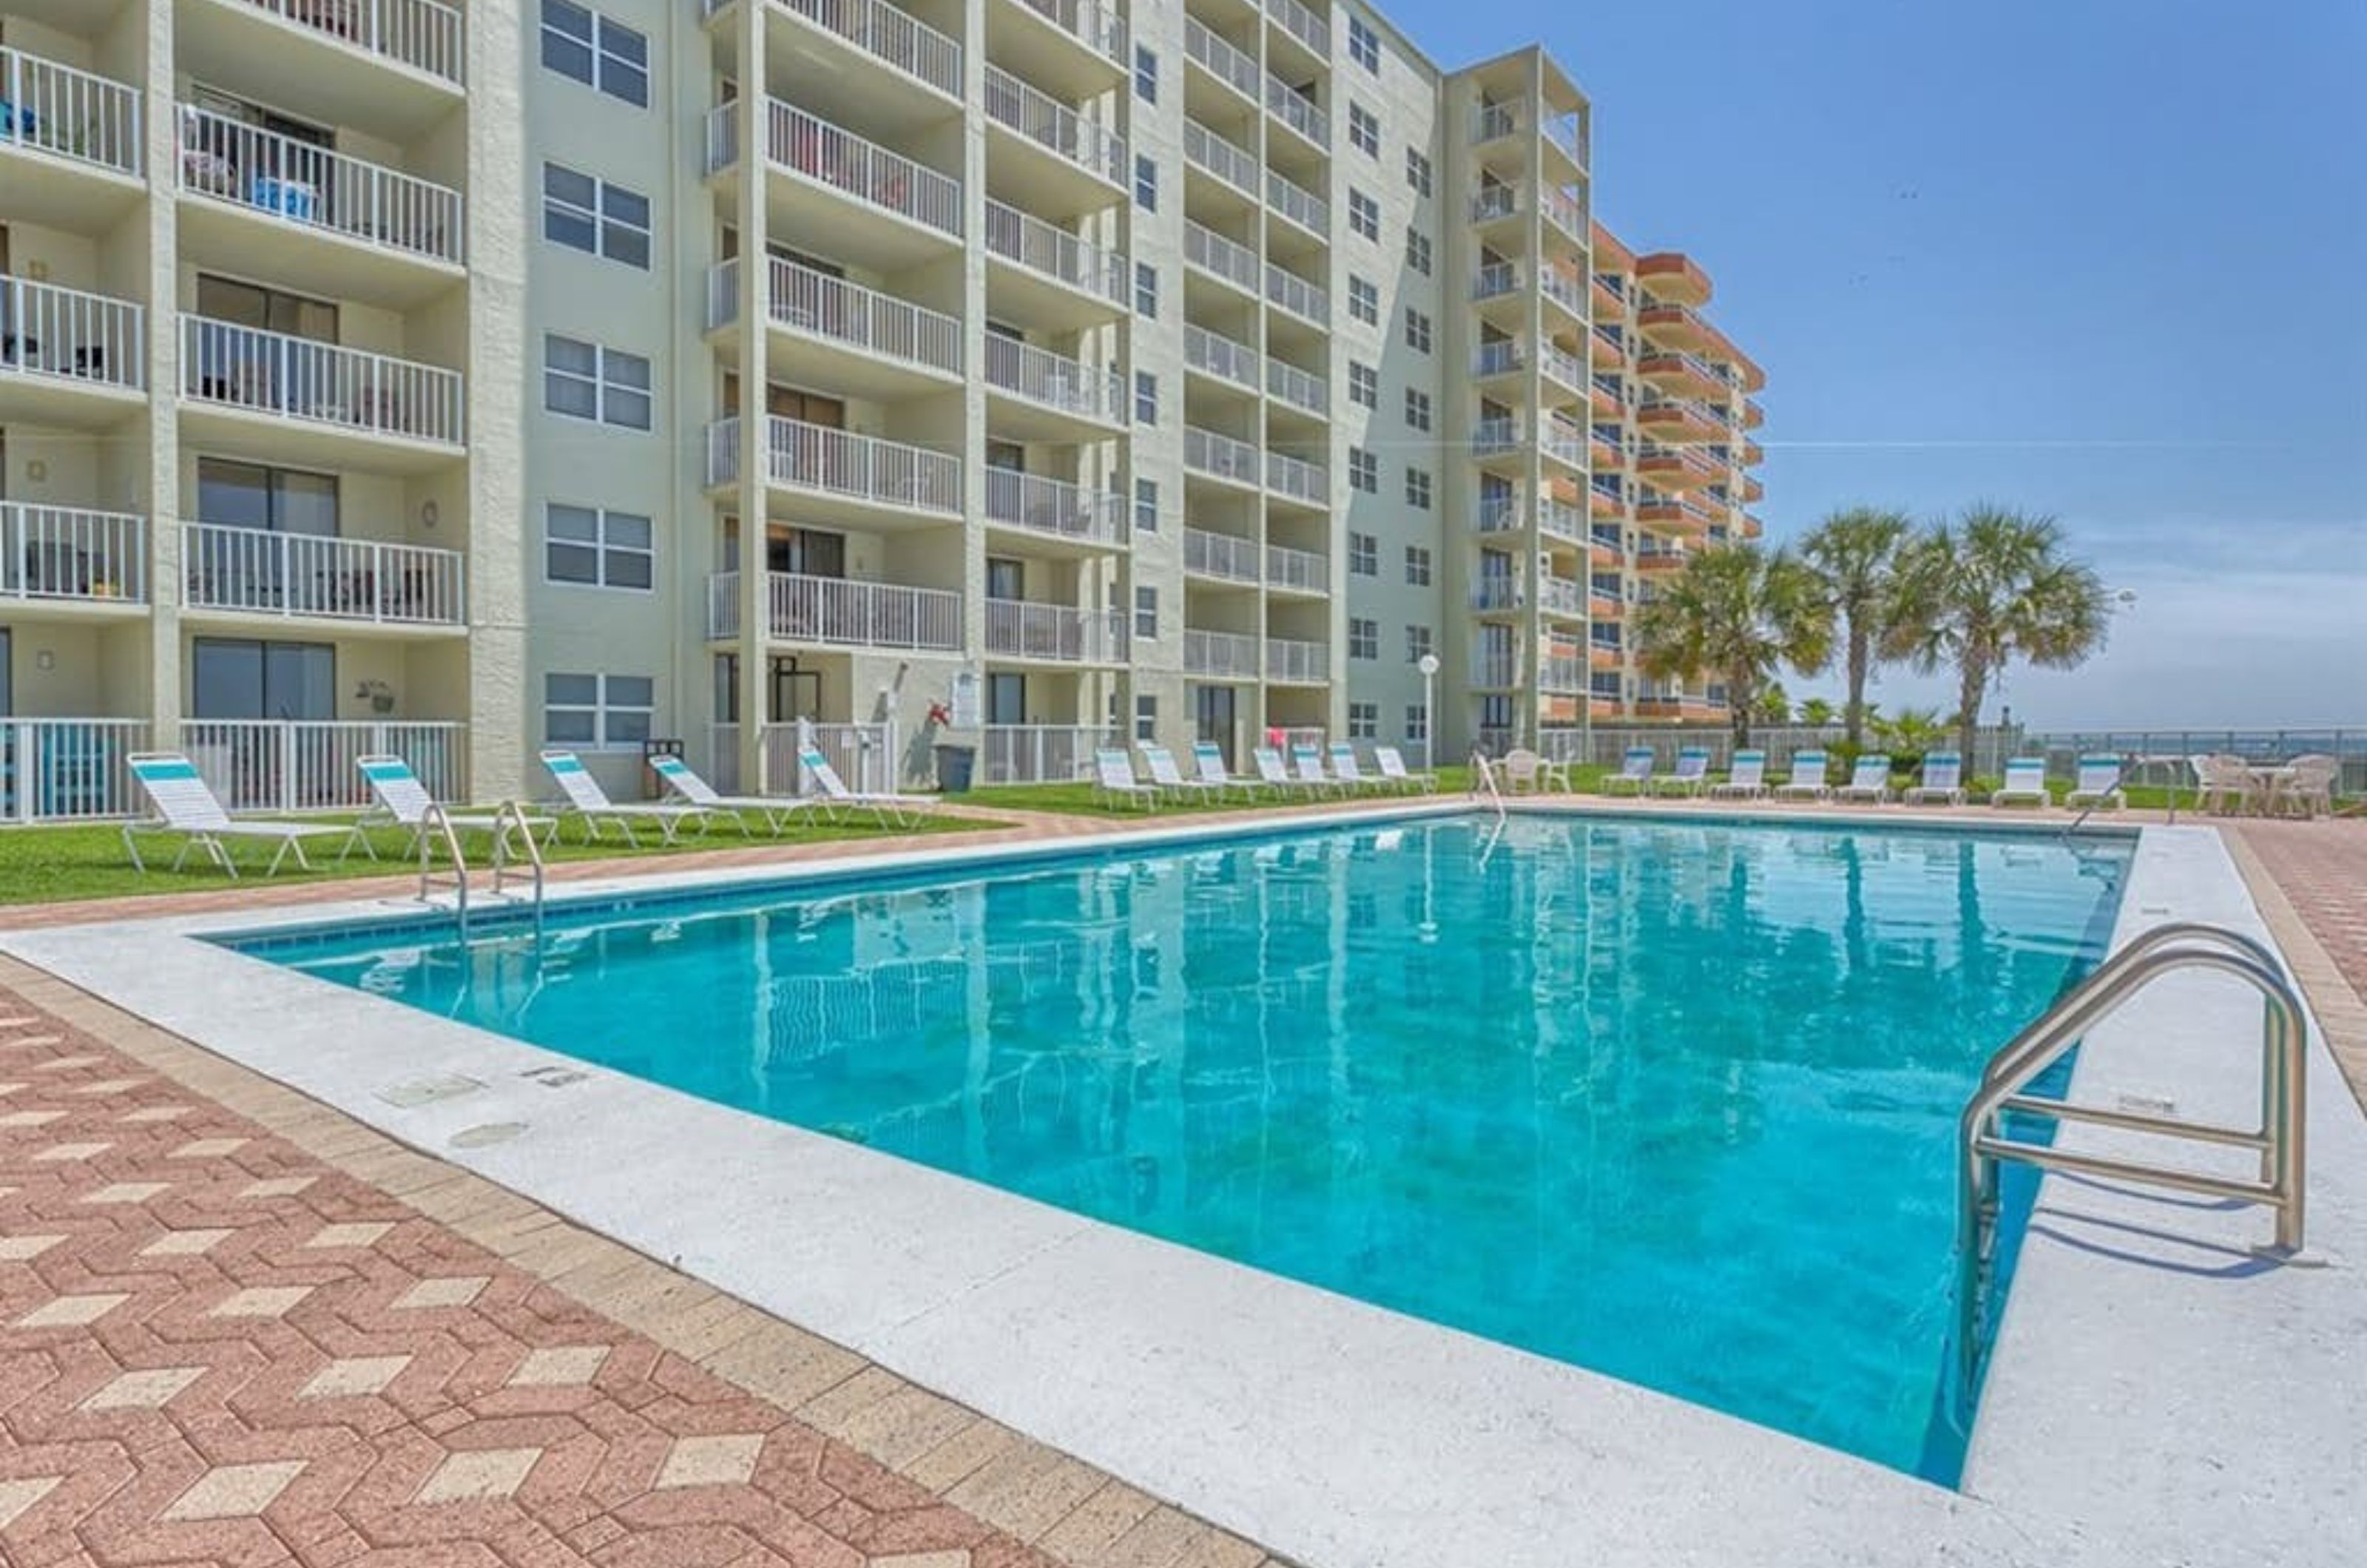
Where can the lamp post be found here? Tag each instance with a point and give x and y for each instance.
(1427, 665)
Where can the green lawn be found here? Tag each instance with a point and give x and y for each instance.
(40, 865)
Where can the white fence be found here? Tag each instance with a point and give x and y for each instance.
(1016, 629)
(68, 552)
(259, 572)
(308, 765)
(1228, 654)
(68, 770)
(298, 377)
(803, 299)
(860, 754)
(841, 610)
(839, 462)
(69, 112)
(1606, 744)
(1098, 26)
(1054, 380)
(1040, 754)
(1022, 107)
(1054, 507)
(1025, 240)
(1210, 553)
(1297, 662)
(318, 186)
(890, 34)
(422, 34)
(845, 161)
(67, 333)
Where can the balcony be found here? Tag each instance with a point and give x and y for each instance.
(1501, 514)
(1662, 560)
(1296, 478)
(1228, 163)
(1565, 444)
(1676, 467)
(1560, 287)
(1054, 144)
(1678, 419)
(1496, 280)
(1064, 280)
(1077, 46)
(1301, 26)
(1602, 655)
(68, 357)
(1498, 437)
(1497, 595)
(1752, 491)
(1752, 454)
(1056, 633)
(1559, 520)
(1225, 359)
(1495, 204)
(1216, 55)
(1226, 656)
(1673, 277)
(1503, 357)
(1684, 375)
(1568, 214)
(1603, 605)
(1603, 503)
(1221, 456)
(1297, 388)
(1675, 326)
(1754, 416)
(1055, 510)
(1605, 398)
(1494, 122)
(334, 225)
(1055, 396)
(1605, 348)
(256, 572)
(1607, 297)
(72, 556)
(69, 144)
(837, 612)
(1290, 570)
(1292, 661)
(1298, 112)
(1297, 204)
(281, 396)
(1226, 558)
(857, 479)
(1561, 597)
(881, 209)
(1294, 295)
(886, 34)
(853, 339)
(1208, 251)
(395, 66)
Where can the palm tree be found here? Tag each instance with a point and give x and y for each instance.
(1993, 587)
(1816, 711)
(1774, 703)
(1858, 554)
(1738, 611)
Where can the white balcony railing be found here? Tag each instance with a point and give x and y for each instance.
(1297, 478)
(890, 35)
(1491, 202)
(1562, 130)
(284, 765)
(1297, 110)
(1566, 213)
(1223, 357)
(1500, 515)
(1207, 452)
(1040, 754)
(68, 770)
(1227, 556)
(1490, 436)
(1495, 279)
(1212, 252)
(1301, 205)
(259, 572)
(69, 335)
(1561, 596)
(1228, 654)
(1016, 629)
(1098, 26)
(1567, 292)
(1027, 240)
(1226, 64)
(1020, 106)
(1297, 662)
(1299, 389)
(317, 187)
(1306, 570)
(1490, 121)
(841, 612)
(1289, 291)
(320, 383)
(1302, 24)
(1053, 380)
(804, 301)
(69, 552)
(1231, 164)
(1054, 507)
(1498, 591)
(815, 149)
(1499, 358)
(799, 455)
(1562, 521)
(422, 34)
(68, 113)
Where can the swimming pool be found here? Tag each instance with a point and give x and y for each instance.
(1674, 1101)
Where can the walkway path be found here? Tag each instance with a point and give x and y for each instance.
(2310, 880)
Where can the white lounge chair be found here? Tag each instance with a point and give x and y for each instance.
(1691, 776)
(1393, 771)
(184, 805)
(1747, 781)
(2098, 785)
(1807, 780)
(1169, 779)
(1275, 774)
(1634, 774)
(778, 811)
(888, 807)
(1208, 762)
(402, 802)
(1306, 766)
(1349, 772)
(2025, 783)
(1113, 780)
(1943, 781)
(590, 804)
(1869, 780)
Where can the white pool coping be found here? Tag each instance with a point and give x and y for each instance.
(2135, 1413)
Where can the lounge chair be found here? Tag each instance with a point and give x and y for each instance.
(1275, 774)
(402, 802)
(1208, 762)
(1349, 772)
(778, 811)
(2098, 785)
(1169, 779)
(184, 805)
(1943, 781)
(888, 807)
(2025, 784)
(1306, 766)
(590, 804)
(1691, 776)
(1393, 771)
(1868, 780)
(1747, 781)
(1113, 780)
(1807, 780)
(1634, 773)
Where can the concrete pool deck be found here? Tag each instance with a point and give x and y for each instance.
(1340, 1434)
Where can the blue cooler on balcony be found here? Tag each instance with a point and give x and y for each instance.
(289, 199)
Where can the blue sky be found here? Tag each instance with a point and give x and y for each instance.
(2098, 258)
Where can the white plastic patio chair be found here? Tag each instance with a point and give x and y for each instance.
(2098, 785)
(1869, 780)
(1275, 774)
(1348, 772)
(1807, 780)
(1113, 780)
(186, 805)
(1943, 781)
(1306, 766)
(2025, 784)
(1747, 781)
(1634, 774)
(2226, 783)
(1169, 779)
(778, 811)
(1691, 776)
(402, 801)
(2308, 787)
(1523, 770)
(589, 803)
(1208, 762)
(889, 809)
(1393, 771)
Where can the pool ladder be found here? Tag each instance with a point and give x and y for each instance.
(1984, 1142)
(436, 828)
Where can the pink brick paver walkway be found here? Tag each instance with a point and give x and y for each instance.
(2310, 879)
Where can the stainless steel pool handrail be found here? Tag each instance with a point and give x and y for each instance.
(1483, 772)
(510, 815)
(435, 827)
(1983, 1145)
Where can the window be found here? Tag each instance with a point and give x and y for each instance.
(1146, 290)
(1365, 44)
(1363, 215)
(1417, 488)
(1364, 637)
(1146, 718)
(1363, 470)
(592, 216)
(599, 713)
(1418, 567)
(1417, 171)
(1418, 250)
(1417, 644)
(1417, 725)
(1145, 614)
(1363, 555)
(1365, 131)
(1363, 720)
(1417, 331)
(1417, 410)
(1363, 385)
(595, 51)
(584, 381)
(1146, 184)
(1364, 300)
(1146, 75)
(597, 548)
(1146, 506)
(1146, 398)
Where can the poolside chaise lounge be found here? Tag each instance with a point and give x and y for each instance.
(404, 802)
(1807, 780)
(1113, 780)
(1747, 781)
(184, 805)
(1393, 771)
(1350, 773)
(1868, 780)
(889, 809)
(1209, 760)
(1634, 774)
(1275, 774)
(2025, 783)
(778, 811)
(1169, 779)
(589, 803)
(2098, 784)
(1943, 781)
(1691, 776)
(1306, 766)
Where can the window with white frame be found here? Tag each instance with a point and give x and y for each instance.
(1417, 409)
(598, 713)
(1145, 614)
(1146, 506)
(598, 549)
(1146, 398)
(1364, 300)
(1417, 331)
(1418, 250)
(1363, 215)
(584, 381)
(1417, 643)
(1146, 73)
(1418, 489)
(1417, 723)
(580, 42)
(1363, 385)
(1365, 44)
(1146, 290)
(594, 217)
(1365, 131)
(1363, 555)
(1418, 172)
(1146, 718)
(1417, 565)
(1363, 721)
(1363, 470)
(1364, 637)
(1146, 182)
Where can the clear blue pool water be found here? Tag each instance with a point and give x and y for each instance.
(1674, 1102)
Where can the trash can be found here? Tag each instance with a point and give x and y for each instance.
(953, 767)
(654, 788)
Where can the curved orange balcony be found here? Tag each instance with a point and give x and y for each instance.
(1598, 657)
(1603, 552)
(1681, 374)
(1753, 490)
(1667, 421)
(1610, 249)
(1604, 403)
(1676, 470)
(1671, 275)
(1658, 707)
(1752, 454)
(1754, 416)
(1600, 454)
(1660, 560)
(1605, 352)
(1675, 326)
(1752, 527)
(1606, 303)
(1602, 708)
(1601, 505)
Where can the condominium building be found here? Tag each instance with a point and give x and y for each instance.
(456, 379)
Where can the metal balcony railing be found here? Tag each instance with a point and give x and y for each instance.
(805, 301)
(841, 612)
(1302, 24)
(1491, 202)
(1212, 252)
(68, 335)
(1053, 380)
(1297, 661)
(1220, 653)
(1301, 390)
(814, 150)
(317, 187)
(1298, 111)
(1223, 357)
(68, 113)
(72, 552)
(1096, 26)
(1495, 279)
(1230, 163)
(1301, 205)
(1227, 64)
(1225, 556)
(422, 34)
(1054, 507)
(1297, 478)
(318, 383)
(890, 35)
(799, 455)
(1287, 290)
(1207, 452)
(1049, 251)
(1306, 570)
(1017, 629)
(1022, 108)
(257, 572)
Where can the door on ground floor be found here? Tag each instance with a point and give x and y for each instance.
(1006, 697)
(245, 693)
(1215, 718)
